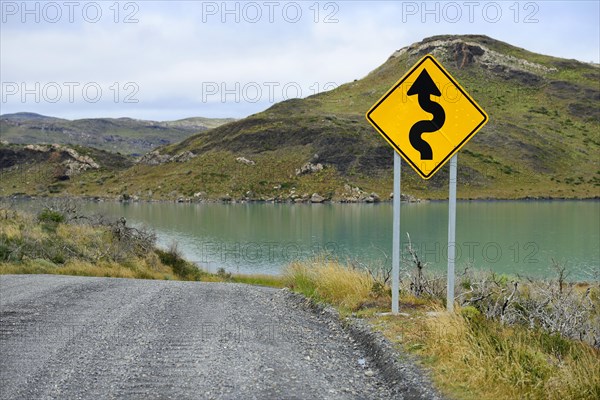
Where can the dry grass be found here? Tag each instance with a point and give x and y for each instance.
(474, 358)
(470, 357)
(29, 245)
(330, 281)
(138, 269)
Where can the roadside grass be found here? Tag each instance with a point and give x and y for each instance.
(80, 268)
(469, 355)
(275, 281)
(330, 281)
(47, 243)
(474, 358)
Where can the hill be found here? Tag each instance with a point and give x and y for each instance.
(125, 135)
(542, 139)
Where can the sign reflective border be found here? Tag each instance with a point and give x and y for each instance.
(427, 116)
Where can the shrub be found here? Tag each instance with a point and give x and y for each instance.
(221, 273)
(183, 269)
(50, 216)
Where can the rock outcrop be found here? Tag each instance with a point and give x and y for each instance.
(73, 162)
(464, 53)
(244, 160)
(155, 158)
(309, 168)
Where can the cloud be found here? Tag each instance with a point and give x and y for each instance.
(178, 49)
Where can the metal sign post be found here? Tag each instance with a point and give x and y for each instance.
(396, 236)
(451, 233)
(426, 144)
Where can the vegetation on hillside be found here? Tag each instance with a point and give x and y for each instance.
(541, 140)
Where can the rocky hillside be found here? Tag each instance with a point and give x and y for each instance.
(125, 135)
(542, 139)
(48, 169)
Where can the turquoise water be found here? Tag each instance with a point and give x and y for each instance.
(505, 236)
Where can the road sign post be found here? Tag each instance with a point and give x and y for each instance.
(451, 233)
(396, 236)
(427, 117)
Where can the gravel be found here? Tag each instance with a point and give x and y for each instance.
(106, 338)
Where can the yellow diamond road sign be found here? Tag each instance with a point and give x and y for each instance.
(427, 116)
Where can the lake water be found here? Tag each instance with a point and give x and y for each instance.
(505, 236)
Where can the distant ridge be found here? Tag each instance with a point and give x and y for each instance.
(125, 135)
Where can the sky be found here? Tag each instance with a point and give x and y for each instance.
(167, 60)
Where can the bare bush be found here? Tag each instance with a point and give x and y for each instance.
(490, 293)
(419, 281)
(131, 240)
(68, 208)
(557, 306)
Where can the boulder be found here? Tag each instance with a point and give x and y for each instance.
(154, 158)
(182, 157)
(408, 198)
(375, 197)
(309, 168)
(316, 198)
(244, 160)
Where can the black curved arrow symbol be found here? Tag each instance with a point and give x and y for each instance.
(425, 87)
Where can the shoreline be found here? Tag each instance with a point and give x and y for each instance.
(98, 199)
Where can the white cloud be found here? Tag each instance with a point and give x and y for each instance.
(174, 51)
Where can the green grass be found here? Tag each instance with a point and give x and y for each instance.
(258, 280)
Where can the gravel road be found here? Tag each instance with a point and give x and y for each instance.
(104, 338)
